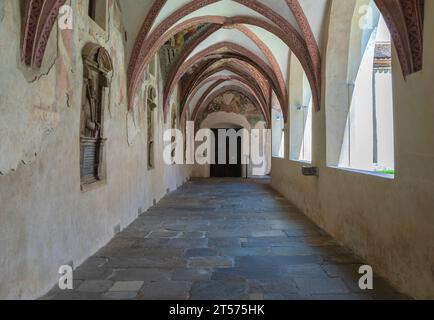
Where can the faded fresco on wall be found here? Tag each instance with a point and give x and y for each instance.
(232, 102)
(40, 134)
(171, 50)
(52, 90)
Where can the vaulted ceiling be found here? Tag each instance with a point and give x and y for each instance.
(229, 43)
(241, 43)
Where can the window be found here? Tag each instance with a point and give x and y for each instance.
(97, 11)
(368, 142)
(300, 113)
(96, 89)
(278, 132)
(92, 9)
(151, 106)
(183, 122)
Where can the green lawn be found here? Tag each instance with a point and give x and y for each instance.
(392, 172)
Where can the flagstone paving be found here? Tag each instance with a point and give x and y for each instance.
(222, 239)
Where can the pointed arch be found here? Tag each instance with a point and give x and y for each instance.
(405, 21)
(237, 78)
(232, 50)
(38, 21)
(284, 31)
(251, 35)
(241, 84)
(222, 90)
(312, 45)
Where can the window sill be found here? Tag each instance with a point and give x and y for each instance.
(365, 172)
(86, 187)
(302, 162)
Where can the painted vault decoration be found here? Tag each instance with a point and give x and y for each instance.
(232, 102)
(171, 50)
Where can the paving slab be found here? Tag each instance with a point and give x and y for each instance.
(127, 286)
(223, 239)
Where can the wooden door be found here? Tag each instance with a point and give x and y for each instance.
(226, 170)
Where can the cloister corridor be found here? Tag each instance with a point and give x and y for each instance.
(223, 239)
(217, 150)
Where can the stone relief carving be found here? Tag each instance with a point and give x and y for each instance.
(97, 74)
(97, 80)
(151, 106)
(91, 123)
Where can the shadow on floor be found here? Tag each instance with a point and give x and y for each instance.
(228, 239)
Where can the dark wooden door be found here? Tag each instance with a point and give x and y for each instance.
(226, 170)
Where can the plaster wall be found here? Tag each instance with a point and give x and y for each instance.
(45, 219)
(388, 222)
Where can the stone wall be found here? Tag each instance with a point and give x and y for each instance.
(388, 222)
(45, 219)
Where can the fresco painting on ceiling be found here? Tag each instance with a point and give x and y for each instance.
(233, 102)
(229, 64)
(195, 67)
(171, 50)
(180, 39)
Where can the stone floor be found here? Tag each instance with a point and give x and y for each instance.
(222, 239)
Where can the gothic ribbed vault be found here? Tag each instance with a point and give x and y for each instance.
(254, 36)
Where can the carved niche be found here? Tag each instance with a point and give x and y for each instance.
(97, 74)
(151, 106)
(174, 117)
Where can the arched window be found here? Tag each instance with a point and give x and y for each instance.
(151, 105)
(300, 113)
(97, 11)
(368, 142)
(96, 90)
(278, 132)
(183, 124)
